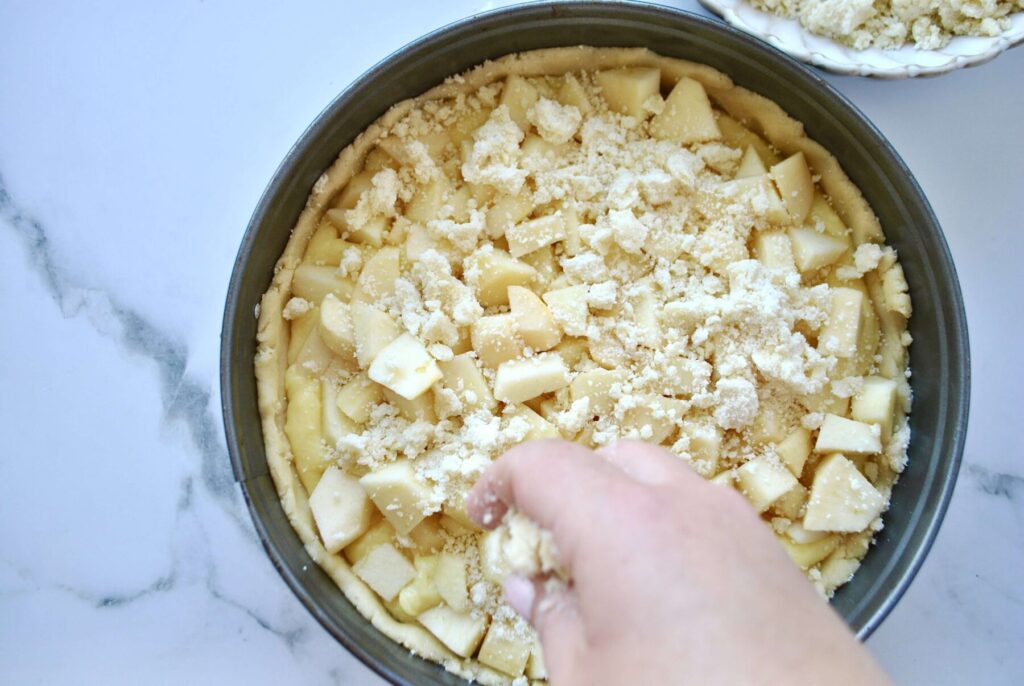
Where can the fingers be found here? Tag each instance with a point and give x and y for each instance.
(559, 485)
(553, 610)
(648, 464)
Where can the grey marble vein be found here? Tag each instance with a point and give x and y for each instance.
(999, 484)
(176, 578)
(183, 398)
(290, 637)
(34, 583)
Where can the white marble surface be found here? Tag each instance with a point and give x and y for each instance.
(134, 144)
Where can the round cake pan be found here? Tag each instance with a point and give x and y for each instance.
(939, 355)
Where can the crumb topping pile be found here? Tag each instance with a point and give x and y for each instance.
(594, 258)
(890, 24)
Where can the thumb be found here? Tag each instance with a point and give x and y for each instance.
(553, 609)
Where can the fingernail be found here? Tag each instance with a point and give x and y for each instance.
(520, 594)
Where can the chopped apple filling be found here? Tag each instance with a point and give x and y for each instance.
(593, 256)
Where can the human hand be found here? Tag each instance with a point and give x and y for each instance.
(674, 579)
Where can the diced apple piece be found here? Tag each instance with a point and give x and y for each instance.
(460, 631)
(378, 534)
(528, 236)
(655, 417)
(469, 120)
(533, 319)
(314, 283)
(725, 478)
(421, 594)
(598, 385)
(314, 357)
(535, 667)
(822, 214)
(417, 241)
(385, 570)
(427, 201)
(303, 427)
(536, 147)
(428, 535)
(569, 308)
(836, 571)
(841, 332)
(377, 279)
(336, 327)
(682, 375)
(398, 493)
(682, 315)
(395, 610)
(522, 379)
(495, 340)
(841, 435)
(760, 190)
(358, 397)
(539, 427)
(506, 212)
(450, 581)
(774, 250)
(607, 351)
(495, 271)
(806, 555)
(705, 446)
(492, 557)
(454, 526)
(796, 187)
(794, 450)
(645, 315)
(356, 186)
(798, 534)
(750, 165)
(325, 247)
(463, 376)
(687, 117)
(378, 159)
(791, 503)
(572, 92)
(299, 331)
(764, 481)
(335, 424)
(627, 89)
(771, 424)
(373, 331)
(841, 498)
(572, 350)
(405, 367)
(826, 402)
(518, 96)
(504, 650)
(340, 509)
(545, 264)
(370, 233)
(419, 409)
(876, 403)
(455, 512)
(813, 250)
(736, 135)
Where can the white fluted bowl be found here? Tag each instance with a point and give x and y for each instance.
(906, 62)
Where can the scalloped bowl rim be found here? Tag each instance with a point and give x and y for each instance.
(788, 35)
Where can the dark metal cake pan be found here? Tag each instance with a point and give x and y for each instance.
(939, 356)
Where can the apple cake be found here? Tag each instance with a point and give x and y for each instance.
(590, 244)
